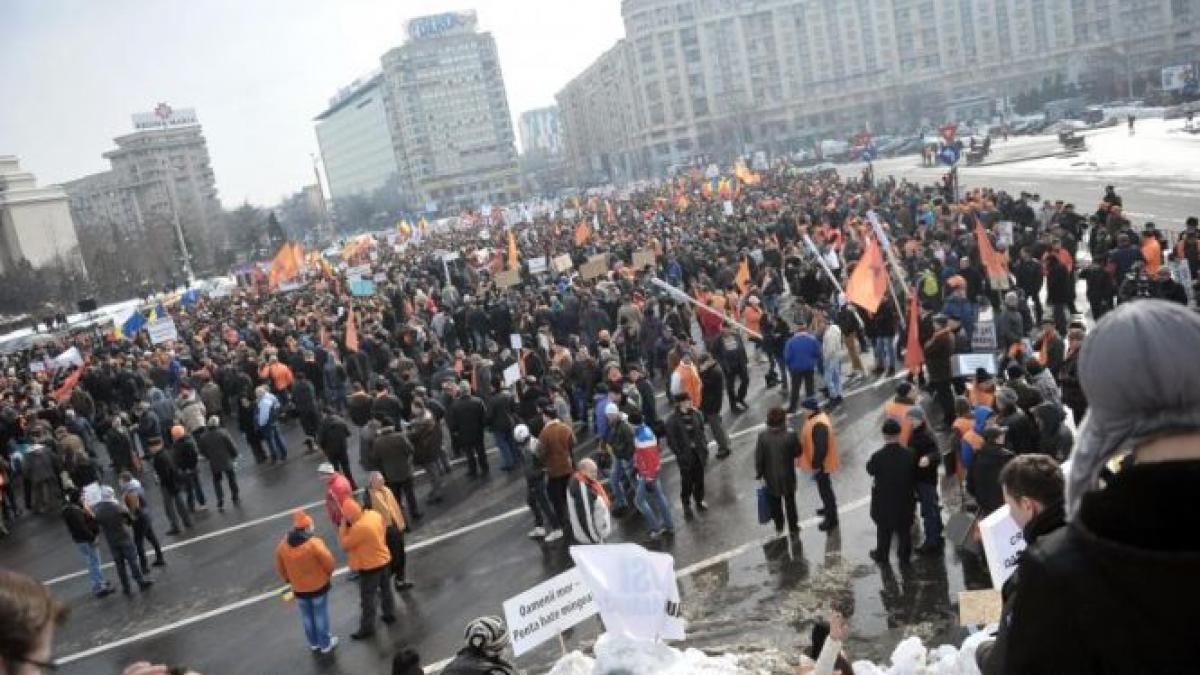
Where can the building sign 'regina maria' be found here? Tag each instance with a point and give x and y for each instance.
(165, 116)
(437, 25)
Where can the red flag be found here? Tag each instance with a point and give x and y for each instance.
(914, 356)
(869, 280)
(64, 391)
(993, 262)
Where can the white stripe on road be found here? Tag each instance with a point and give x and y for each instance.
(247, 524)
(255, 599)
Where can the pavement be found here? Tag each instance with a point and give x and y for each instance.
(216, 607)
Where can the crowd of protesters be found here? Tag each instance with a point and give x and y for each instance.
(451, 349)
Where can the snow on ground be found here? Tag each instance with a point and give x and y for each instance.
(630, 657)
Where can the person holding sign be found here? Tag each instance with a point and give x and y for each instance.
(1033, 489)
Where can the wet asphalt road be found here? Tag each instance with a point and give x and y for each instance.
(215, 606)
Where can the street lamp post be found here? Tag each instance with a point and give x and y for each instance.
(163, 112)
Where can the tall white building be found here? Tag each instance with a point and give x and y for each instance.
(720, 77)
(35, 222)
(541, 131)
(356, 140)
(449, 117)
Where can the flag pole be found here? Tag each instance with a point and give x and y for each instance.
(677, 293)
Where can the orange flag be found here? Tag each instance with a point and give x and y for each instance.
(351, 331)
(298, 256)
(583, 232)
(514, 261)
(914, 355)
(64, 391)
(610, 215)
(283, 266)
(993, 262)
(742, 278)
(869, 281)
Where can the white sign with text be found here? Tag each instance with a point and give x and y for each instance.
(547, 609)
(162, 330)
(1002, 542)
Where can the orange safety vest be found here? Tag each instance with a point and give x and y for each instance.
(804, 461)
(1152, 252)
(689, 382)
(898, 411)
(965, 426)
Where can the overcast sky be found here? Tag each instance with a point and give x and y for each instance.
(256, 71)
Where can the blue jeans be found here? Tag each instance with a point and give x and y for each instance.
(833, 378)
(314, 614)
(931, 516)
(274, 441)
(885, 352)
(508, 454)
(653, 495)
(92, 555)
(621, 471)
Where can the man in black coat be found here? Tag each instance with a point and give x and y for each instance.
(730, 351)
(466, 418)
(171, 484)
(939, 350)
(685, 436)
(217, 445)
(1021, 435)
(927, 456)
(712, 399)
(1033, 488)
(332, 437)
(892, 494)
(394, 453)
(983, 480)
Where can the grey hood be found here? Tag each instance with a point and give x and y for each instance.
(1139, 373)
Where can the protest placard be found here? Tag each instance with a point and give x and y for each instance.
(635, 590)
(979, 608)
(563, 263)
(162, 330)
(514, 341)
(507, 278)
(1002, 540)
(512, 375)
(547, 609)
(361, 287)
(965, 365)
(643, 258)
(596, 266)
(537, 265)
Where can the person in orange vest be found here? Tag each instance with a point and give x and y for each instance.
(819, 454)
(279, 376)
(752, 318)
(963, 438)
(686, 379)
(363, 537)
(1152, 250)
(897, 409)
(305, 563)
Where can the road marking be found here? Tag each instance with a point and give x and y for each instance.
(247, 524)
(255, 599)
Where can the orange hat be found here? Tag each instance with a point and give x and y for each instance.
(351, 510)
(177, 432)
(301, 520)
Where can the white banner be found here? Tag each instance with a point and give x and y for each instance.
(162, 330)
(547, 609)
(1002, 541)
(635, 590)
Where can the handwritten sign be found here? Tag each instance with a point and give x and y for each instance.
(537, 265)
(643, 258)
(563, 263)
(984, 337)
(1002, 541)
(596, 266)
(547, 609)
(507, 278)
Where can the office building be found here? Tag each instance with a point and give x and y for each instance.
(448, 114)
(710, 79)
(35, 223)
(601, 119)
(356, 140)
(541, 131)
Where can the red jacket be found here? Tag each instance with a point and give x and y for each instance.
(337, 490)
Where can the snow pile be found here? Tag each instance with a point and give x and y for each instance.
(635, 657)
(631, 657)
(912, 658)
